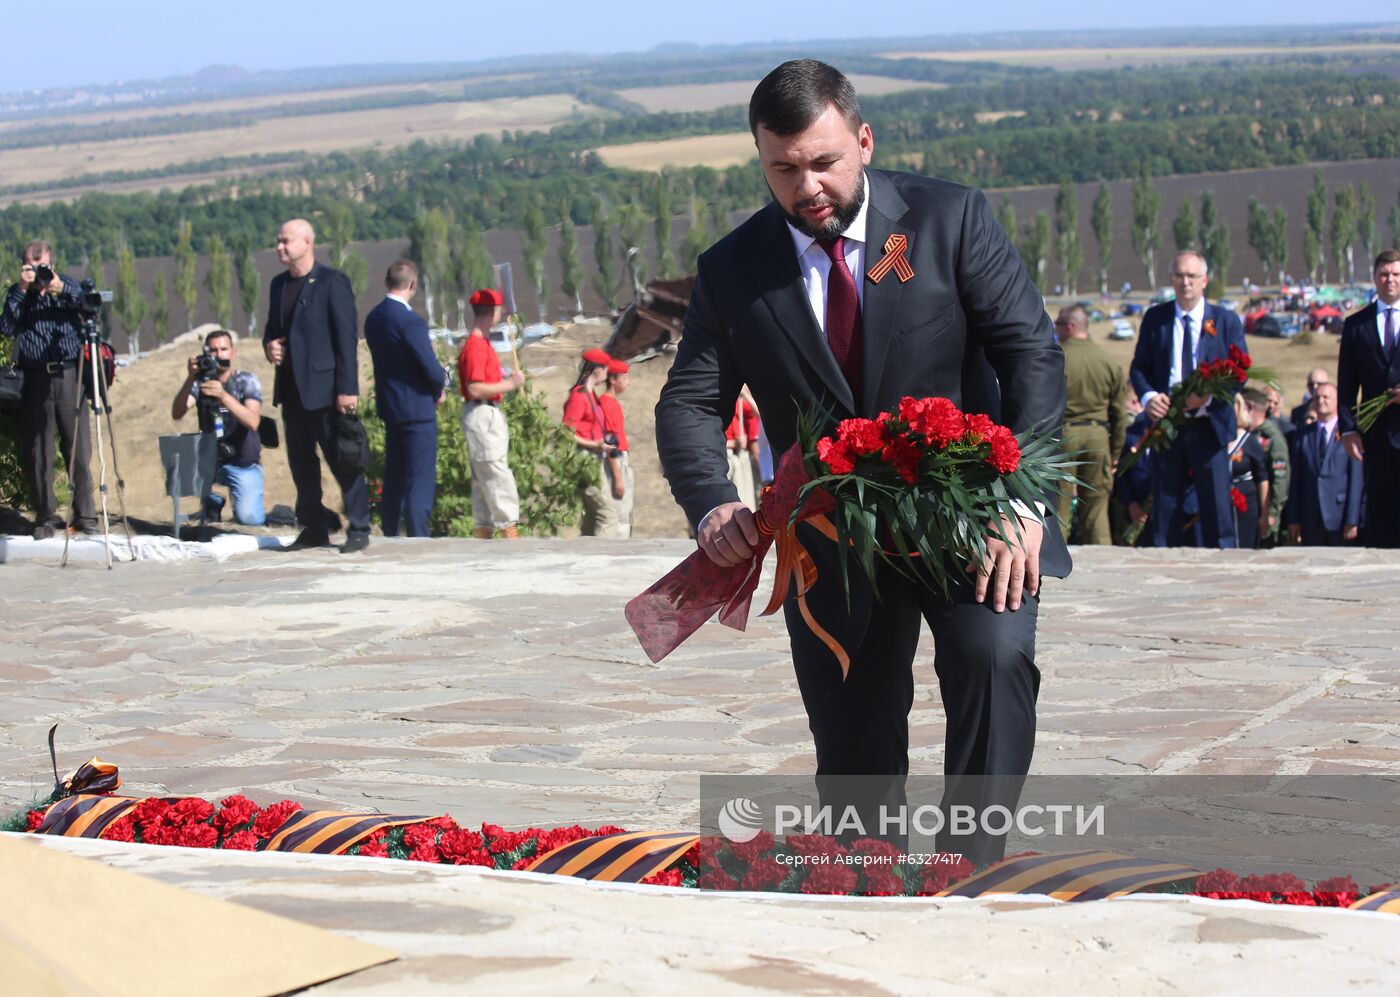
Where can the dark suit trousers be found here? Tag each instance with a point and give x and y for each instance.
(50, 406)
(1381, 515)
(306, 429)
(1198, 451)
(410, 476)
(985, 662)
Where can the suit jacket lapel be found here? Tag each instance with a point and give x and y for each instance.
(880, 311)
(780, 284)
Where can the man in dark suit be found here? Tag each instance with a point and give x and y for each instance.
(409, 384)
(1302, 412)
(1324, 491)
(1175, 338)
(1368, 365)
(787, 305)
(311, 337)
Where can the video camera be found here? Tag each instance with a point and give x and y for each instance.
(89, 300)
(208, 365)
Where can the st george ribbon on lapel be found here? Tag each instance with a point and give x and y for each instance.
(895, 248)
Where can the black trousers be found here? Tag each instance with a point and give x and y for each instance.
(50, 406)
(985, 663)
(305, 430)
(1380, 525)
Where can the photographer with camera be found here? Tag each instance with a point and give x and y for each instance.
(229, 403)
(42, 314)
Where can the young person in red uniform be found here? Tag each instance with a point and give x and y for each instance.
(617, 464)
(741, 442)
(584, 415)
(495, 500)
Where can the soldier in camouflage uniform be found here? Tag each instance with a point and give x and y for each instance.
(1095, 422)
(1275, 443)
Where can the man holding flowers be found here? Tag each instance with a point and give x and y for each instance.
(854, 290)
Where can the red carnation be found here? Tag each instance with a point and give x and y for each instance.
(426, 852)
(750, 851)
(196, 836)
(904, 457)
(1006, 452)
(241, 841)
(666, 877)
(863, 436)
(937, 420)
(120, 829)
(838, 878)
(190, 810)
(272, 818)
(838, 456)
(979, 428)
(1238, 500)
(375, 847)
(880, 881)
(716, 879)
(1337, 884)
(815, 844)
(1299, 898)
(763, 876)
(1217, 880)
(151, 809)
(418, 835)
(237, 811)
(1274, 882)
(875, 846)
(33, 819)
(610, 829)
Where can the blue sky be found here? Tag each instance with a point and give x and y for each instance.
(109, 40)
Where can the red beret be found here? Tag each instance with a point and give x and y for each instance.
(618, 367)
(487, 296)
(597, 356)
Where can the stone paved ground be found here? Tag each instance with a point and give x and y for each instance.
(499, 682)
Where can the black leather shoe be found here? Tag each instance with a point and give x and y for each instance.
(87, 526)
(354, 543)
(309, 538)
(43, 531)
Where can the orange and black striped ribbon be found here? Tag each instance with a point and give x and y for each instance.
(85, 816)
(93, 776)
(1386, 901)
(616, 858)
(330, 832)
(795, 569)
(895, 248)
(1075, 876)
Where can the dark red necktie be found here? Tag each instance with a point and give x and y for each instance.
(843, 331)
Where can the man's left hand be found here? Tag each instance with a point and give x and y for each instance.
(346, 403)
(212, 388)
(1194, 401)
(1015, 566)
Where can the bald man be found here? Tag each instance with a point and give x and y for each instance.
(312, 337)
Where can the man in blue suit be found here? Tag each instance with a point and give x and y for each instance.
(1368, 366)
(1175, 338)
(409, 384)
(1324, 492)
(312, 339)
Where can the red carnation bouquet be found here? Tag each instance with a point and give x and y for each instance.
(1219, 379)
(921, 487)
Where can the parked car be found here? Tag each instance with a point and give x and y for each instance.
(1122, 329)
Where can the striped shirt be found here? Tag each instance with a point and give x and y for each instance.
(45, 329)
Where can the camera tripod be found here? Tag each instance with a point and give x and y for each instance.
(95, 383)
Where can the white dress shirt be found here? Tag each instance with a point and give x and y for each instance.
(1198, 315)
(403, 301)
